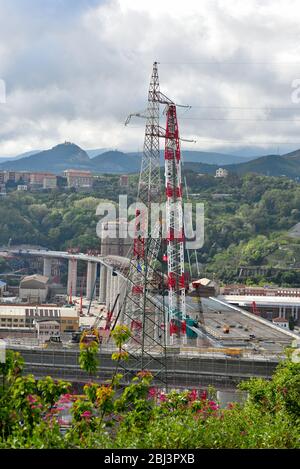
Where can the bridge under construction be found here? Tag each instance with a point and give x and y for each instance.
(149, 292)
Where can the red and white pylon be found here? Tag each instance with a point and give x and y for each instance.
(174, 226)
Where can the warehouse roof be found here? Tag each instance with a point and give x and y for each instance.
(37, 277)
(245, 300)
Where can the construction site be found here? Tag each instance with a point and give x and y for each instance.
(182, 329)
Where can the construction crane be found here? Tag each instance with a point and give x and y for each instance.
(94, 334)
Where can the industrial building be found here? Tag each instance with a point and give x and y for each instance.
(204, 287)
(47, 329)
(268, 307)
(34, 289)
(238, 289)
(21, 317)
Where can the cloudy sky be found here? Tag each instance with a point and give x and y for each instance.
(74, 69)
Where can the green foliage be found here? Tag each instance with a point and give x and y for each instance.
(121, 334)
(51, 390)
(88, 357)
(247, 228)
(282, 393)
(141, 416)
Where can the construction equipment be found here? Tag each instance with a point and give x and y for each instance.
(254, 309)
(201, 322)
(90, 335)
(96, 333)
(53, 341)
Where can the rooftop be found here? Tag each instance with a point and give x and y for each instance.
(37, 277)
(261, 300)
(206, 282)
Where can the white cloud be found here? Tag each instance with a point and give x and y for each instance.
(74, 70)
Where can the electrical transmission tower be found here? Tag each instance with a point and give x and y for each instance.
(144, 311)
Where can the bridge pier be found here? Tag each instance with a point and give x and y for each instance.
(108, 288)
(102, 286)
(47, 267)
(72, 277)
(91, 279)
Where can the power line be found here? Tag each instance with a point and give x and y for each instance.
(238, 119)
(266, 108)
(245, 142)
(229, 63)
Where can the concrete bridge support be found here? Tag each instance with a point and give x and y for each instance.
(91, 279)
(102, 286)
(47, 267)
(108, 288)
(72, 277)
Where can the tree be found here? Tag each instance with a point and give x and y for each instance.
(291, 323)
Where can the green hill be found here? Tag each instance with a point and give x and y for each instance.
(57, 159)
(269, 165)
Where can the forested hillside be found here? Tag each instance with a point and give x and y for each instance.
(247, 220)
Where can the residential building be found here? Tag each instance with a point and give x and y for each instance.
(79, 179)
(2, 190)
(14, 176)
(221, 173)
(22, 187)
(123, 181)
(50, 182)
(39, 178)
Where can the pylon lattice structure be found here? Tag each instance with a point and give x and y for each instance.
(175, 226)
(143, 311)
(144, 314)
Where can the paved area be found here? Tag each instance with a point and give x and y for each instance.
(244, 329)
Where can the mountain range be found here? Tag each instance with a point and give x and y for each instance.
(269, 165)
(70, 156)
